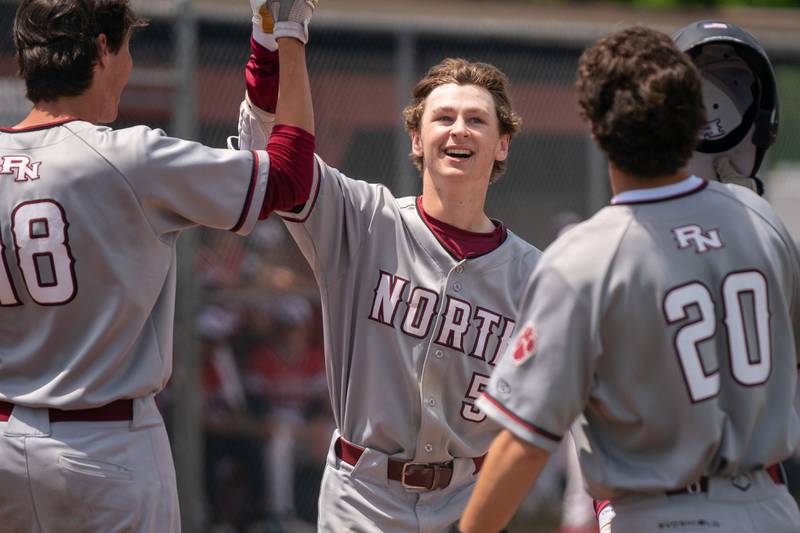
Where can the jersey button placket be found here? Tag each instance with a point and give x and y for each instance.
(439, 354)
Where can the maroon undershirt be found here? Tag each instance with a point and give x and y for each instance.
(291, 153)
(291, 169)
(261, 76)
(463, 244)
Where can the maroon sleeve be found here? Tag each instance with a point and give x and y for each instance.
(291, 169)
(261, 77)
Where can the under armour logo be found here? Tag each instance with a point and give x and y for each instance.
(525, 345)
(504, 387)
(22, 164)
(712, 130)
(693, 235)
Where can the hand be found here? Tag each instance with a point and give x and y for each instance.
(728, 173)
(262, 18)
(291, 17)
(263, 25)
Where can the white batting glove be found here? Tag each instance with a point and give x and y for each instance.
(728, 173)
(255, 126)
(263, 25)
(291, 17)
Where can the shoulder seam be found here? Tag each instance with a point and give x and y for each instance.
(122, 176)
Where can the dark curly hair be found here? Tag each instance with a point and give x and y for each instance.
(643, 99)
(463, 72)
(56, 42)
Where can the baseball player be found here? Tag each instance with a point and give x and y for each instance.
(418, 297)
(662, 331)
(89, 217)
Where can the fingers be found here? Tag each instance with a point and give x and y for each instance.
(263, 25)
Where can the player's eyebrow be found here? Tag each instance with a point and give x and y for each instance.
(451, 109)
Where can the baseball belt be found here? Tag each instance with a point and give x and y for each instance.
(413, 476)
(775, 472)
(119, 410)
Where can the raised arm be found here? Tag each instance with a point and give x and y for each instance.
(274, 21)
(294, 94)
(277, 81)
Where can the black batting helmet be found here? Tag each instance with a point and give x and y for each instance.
(739, 93)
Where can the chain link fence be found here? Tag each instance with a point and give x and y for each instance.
(247, 406)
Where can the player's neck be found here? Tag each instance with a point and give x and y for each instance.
(622, 181)
(82, 107)
(460, 206)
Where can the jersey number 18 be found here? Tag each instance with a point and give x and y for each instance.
(39, 231)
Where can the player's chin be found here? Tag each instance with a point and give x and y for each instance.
(458, 165)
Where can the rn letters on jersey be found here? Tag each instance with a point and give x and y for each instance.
(20, 166)
(693, 235)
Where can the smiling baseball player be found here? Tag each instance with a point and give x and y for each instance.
(663, 331)
(89, 217)
(418, 297)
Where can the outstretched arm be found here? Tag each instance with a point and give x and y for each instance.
(285, 92)
(512, 466)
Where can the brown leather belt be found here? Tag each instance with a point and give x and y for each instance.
(415, 476)
(774, 471)
(119, 410)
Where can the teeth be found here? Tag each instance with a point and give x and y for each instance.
(458, 153)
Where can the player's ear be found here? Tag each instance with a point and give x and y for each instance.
(102, 49)
(416, 144)
(501, 151)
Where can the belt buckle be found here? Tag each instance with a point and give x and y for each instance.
(404, 477)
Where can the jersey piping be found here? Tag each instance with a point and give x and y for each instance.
(47, 125)
(302, 215)
(519, 420)
(656, 198)
(250, 190)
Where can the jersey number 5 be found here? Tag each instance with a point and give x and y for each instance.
(39, 230)
(746, 318)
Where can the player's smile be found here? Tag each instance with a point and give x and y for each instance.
(458, 153)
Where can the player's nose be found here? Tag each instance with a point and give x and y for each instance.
(459, 127)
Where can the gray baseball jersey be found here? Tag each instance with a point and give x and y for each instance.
(411, 337)
(665, 328)
(89, 219)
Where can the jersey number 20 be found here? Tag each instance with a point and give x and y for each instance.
(39, 230)
(744, 294)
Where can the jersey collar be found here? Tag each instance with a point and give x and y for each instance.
(659, 194)
(44, 126)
